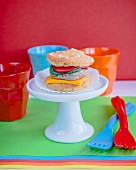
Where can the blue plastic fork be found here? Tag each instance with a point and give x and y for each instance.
(105, 139)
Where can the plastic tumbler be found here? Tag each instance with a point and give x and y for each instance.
(38, 56)
(13, 91)
(105, 61)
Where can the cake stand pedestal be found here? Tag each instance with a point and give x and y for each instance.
(69, 126)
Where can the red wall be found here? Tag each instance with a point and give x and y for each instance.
(74, 23)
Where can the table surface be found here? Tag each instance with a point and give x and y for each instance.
(121, 88)
(124, 88)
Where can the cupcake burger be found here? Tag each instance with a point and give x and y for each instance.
(68, 70)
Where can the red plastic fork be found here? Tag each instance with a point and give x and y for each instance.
(123, 138)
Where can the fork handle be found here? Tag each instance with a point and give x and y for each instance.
(119, 106)
(130, 108)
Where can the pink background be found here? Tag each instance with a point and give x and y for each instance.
(74, 23)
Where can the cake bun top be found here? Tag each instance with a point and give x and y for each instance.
(72, 57)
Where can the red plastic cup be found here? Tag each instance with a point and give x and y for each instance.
(13, 91)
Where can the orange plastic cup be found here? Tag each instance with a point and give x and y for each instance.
(106, 61)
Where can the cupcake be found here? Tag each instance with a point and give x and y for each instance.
(68, 70)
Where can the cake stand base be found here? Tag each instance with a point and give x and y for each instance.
(69, 126)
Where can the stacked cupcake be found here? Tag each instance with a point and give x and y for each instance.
(68, 70)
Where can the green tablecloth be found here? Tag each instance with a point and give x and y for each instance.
(26, 136)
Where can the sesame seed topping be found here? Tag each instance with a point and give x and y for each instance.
(67, 56)
(59, 55)
(78, 55)
(51, 54)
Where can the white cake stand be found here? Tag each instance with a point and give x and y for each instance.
(69, 126)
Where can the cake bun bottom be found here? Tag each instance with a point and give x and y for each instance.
(70, 87)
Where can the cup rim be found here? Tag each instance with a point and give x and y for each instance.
(104, 55)
(14, 74)
(34, 47)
